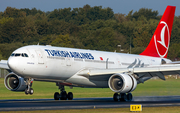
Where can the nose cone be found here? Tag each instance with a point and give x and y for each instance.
(15, 65)
(12, 64)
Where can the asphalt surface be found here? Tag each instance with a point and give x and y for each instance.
(86, 103)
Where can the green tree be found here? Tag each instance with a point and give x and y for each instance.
(59, 27)
(5, 20)
(1, 57)
(176, 30)
(60, 14)
(120, 17)
(47, 40)
(174, 52)
(32, 11)
(14, 13)
(148, 13)
(42, 27)
(30, 30)
(56, 40)
(62, 41)
(143, 31)
(13, 30)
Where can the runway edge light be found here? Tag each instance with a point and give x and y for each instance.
(136, 107)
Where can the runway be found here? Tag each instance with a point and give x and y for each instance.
(86, 103)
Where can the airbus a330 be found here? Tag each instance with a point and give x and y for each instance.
(95, 69)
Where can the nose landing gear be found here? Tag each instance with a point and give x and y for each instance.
(29, 90)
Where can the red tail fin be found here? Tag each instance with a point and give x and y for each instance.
(159, 44)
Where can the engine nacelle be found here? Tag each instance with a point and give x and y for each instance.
(122, 83)
(14, 82)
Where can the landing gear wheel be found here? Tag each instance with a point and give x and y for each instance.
(116, 97)
(63, 95)
(26, 91)
(123, 97)
(56, 96)
(129, 97)
(31, 91)
(70, 96)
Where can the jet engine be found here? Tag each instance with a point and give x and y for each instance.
(122, 83)
(14, 82)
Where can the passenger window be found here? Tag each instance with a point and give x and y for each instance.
(22, 54)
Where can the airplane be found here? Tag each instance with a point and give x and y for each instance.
(72, 67)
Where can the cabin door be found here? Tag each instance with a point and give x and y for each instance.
(68, 61)
(40, 57)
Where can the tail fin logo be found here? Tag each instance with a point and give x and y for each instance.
(159, 44)
(162, 40)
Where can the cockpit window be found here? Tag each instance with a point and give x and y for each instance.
(25, 55)
(12, 54)
(19, 54)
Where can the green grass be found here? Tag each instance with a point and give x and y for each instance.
(46, 90)
(110, 110)
(158, 88)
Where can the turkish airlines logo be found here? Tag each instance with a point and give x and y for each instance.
(162, 39)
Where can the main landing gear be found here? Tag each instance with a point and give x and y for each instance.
(29, 90)
(122, 97)
(63, 95)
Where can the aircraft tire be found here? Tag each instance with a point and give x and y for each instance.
(63, 95)
(56, 96)
(129, 97)
(123, 97)
(70, 96)
(116, 97)
(31, 91)
(26, 91)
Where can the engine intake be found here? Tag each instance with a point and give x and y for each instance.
(14, 82)
(122, 83)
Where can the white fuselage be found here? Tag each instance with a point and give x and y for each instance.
(61, 64)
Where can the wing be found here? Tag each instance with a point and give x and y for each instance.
(141, 74)
(4, 65)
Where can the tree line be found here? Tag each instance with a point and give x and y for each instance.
(88, 27)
